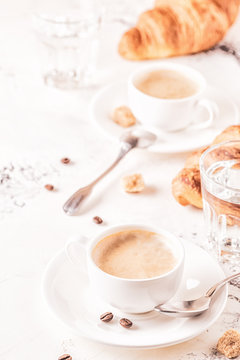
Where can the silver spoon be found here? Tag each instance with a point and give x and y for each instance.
(138, 138)
(195, 307)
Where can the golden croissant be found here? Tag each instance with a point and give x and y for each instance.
(186, 186)
(178, 27)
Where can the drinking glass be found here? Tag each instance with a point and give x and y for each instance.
(220, 178)
(71, 43)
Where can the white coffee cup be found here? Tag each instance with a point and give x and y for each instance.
(170, 114)
(129, 295)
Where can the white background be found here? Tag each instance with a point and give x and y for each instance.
(39, 126)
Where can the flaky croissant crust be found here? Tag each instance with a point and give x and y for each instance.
(178, 27)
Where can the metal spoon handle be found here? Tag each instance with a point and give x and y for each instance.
(125, 148)
(220, 284)
(72, 204)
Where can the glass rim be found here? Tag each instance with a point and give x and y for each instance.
(203, 172)
(63, 20)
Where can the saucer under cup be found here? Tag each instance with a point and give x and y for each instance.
(114, 95)
(68, 295)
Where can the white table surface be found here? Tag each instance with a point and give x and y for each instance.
(39, 126)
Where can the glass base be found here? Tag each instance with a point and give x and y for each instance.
(70, 80)
(229, 257)
(223, 256)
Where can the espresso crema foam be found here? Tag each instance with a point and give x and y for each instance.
(166, 84)
(134, 254)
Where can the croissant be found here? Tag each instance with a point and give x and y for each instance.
(231, 133)
(186, 186)
(178, 27)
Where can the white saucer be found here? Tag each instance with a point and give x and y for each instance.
(67, 293)
(112, 96)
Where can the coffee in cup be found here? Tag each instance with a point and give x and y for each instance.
(130, 286)
(166, 84)
(134, 254)
(167, 97)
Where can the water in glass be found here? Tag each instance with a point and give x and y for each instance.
(220, 177)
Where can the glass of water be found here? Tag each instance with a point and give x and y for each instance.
(220, 178)
(71, 46)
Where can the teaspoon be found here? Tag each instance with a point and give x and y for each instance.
(189, 308)
(137, 138)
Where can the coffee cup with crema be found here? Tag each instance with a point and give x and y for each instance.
(168, 97)
(131, 267)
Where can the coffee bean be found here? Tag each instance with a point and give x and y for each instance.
(125, 323)
(65, 160)
(97, 220)
(49, 187)
(106, 317)
(65, 357)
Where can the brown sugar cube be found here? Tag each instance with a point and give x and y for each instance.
(123, 116)
(229, 344)
(133, 183)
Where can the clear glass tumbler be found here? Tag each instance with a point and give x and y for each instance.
(220, 178)
(71, 45)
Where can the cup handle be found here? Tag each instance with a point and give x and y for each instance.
(75, 250)
(212, 110)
